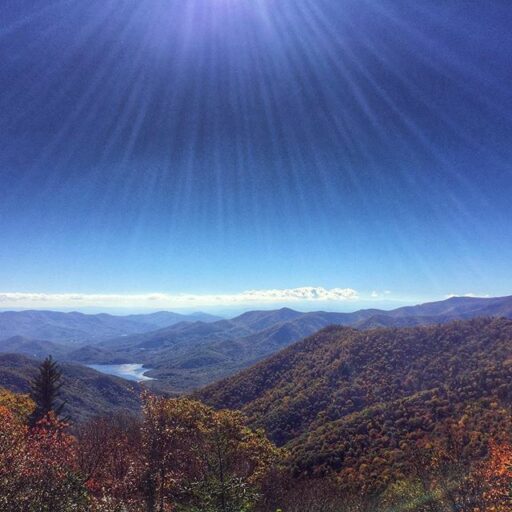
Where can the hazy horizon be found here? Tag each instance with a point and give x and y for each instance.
(380, 303)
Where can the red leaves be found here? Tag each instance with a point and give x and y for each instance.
(36, 464)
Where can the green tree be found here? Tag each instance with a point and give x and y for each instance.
(233, 461)
(46, 391)
(201, 460)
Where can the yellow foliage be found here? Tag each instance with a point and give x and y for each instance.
(21, 405)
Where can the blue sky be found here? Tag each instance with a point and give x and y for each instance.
(213, 147)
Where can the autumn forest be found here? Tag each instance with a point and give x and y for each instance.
(419, 420)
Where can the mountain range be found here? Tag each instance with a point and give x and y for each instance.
(78, 327)
(189, 355)
(190, 352)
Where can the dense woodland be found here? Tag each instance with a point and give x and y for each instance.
(182, 455)
(361, 403)
(185, 456)
(346, 421)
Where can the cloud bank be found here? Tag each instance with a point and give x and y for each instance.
(164, 300)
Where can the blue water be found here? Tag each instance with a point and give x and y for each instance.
(126, 371)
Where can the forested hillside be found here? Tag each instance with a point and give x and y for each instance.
(382, 420)
(361, 403)
(186, 352)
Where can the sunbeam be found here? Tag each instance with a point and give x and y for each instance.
(163, 131)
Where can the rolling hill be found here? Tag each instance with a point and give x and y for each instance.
(359, 403)
(38, 349)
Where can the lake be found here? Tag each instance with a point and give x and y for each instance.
(126, 371)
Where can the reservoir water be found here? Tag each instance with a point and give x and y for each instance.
(126, 371)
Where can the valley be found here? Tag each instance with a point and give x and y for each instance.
(86, 392)
(255, 256)
(194, 351)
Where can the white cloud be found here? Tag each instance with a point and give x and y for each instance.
(379, 295)
(471, 295)
(164, 300)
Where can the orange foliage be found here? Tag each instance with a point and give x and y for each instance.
(358, 404)
(497, 473)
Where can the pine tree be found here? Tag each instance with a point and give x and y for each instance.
(46, 390)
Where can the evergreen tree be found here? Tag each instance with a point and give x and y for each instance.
(46, 390)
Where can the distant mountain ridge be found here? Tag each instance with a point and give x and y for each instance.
(189, 354)
(33, 348)
(75, 327)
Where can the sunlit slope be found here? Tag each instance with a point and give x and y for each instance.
(360, 402)
(190, 354)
